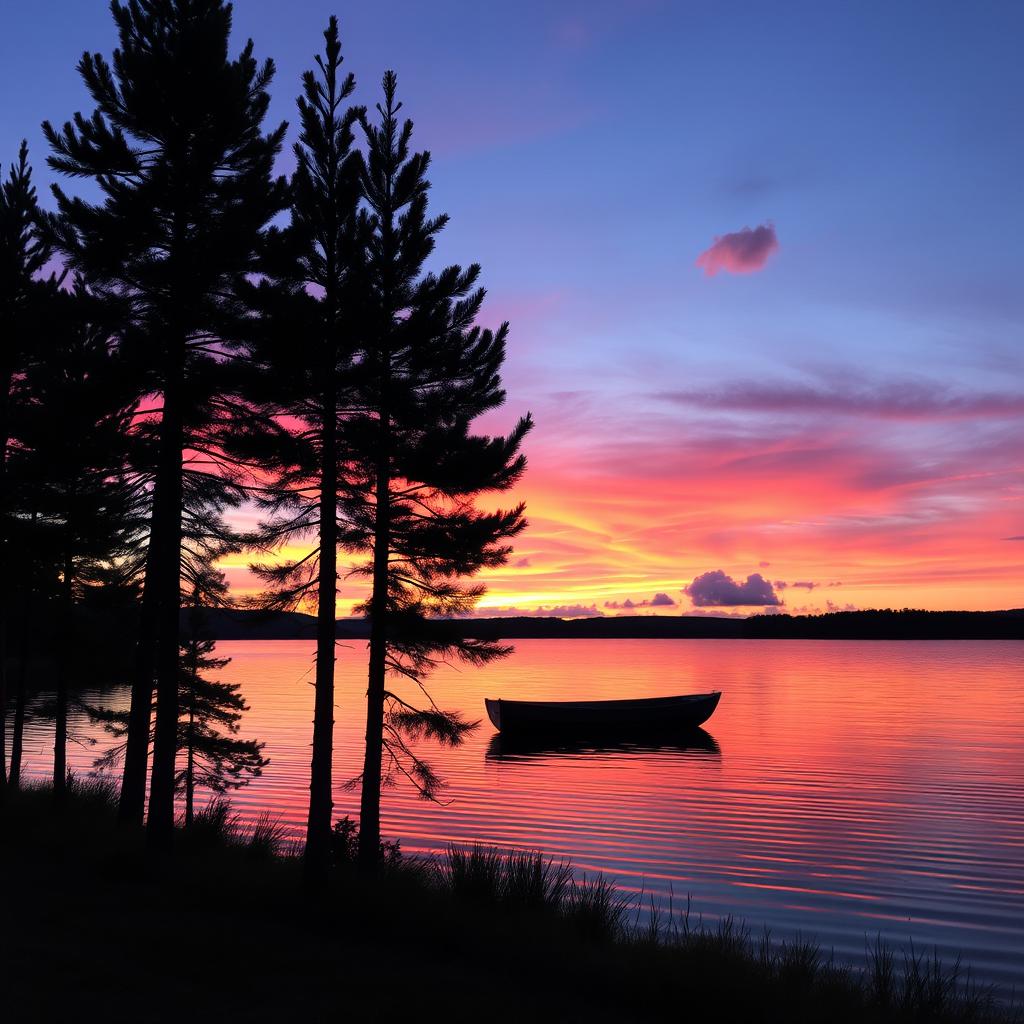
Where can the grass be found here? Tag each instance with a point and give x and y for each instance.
(266, 838)
(525, 879)
(94, 929)
(213, 826)
(517, 879)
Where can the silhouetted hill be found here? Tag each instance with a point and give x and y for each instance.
(225, 624)
(236, 624)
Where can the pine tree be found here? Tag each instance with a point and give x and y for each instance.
(425, 372)
(23, 254)
(34, 595)
(307, 316)
(176, 148)
(210, 753)
(214, 757)
(73, 467)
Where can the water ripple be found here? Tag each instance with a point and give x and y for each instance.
(842, 790)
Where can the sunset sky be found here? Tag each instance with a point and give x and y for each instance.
(762, 264)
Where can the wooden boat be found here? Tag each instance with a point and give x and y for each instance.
(576, 717)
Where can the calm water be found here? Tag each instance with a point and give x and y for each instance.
(842, 789)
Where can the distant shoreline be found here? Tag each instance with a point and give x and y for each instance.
(232, 624)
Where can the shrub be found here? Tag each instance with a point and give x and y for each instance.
(345, 844)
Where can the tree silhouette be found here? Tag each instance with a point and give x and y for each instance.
(212, 757)
(85, 509)
(176, 149)
(23, 254)
(27, 594)
(303, 342)
(425, 372)
(31, 592)
(215, 758)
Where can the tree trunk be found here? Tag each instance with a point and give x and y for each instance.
(3, 698)
(60, 732)
(190, 764)
(132, 803)
(20, 696)
(316, 861)
(8, 377)
(321, 803)
(369, 808)
(369, 803)
(167, 568)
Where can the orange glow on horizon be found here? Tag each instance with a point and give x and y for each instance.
(597, 537)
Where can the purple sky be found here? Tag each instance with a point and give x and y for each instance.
(762, 264)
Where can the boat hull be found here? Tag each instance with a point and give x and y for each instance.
(602, 716)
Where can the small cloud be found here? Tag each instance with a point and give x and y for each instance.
(764, 565)
(570, 611)
(716, 590)
(801, 584)
(740, 252)
(659, 600)
(558, 611)
(522, 563)
(1021, 537)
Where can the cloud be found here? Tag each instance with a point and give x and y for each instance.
(1021, 537)
(716, 590)
(522, 563)
(842, 396)
(740, 252)
(659, 600)
(558, 611)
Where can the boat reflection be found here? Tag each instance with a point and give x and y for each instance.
(525, 747)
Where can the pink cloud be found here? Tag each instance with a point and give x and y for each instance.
(740, 252)
(660, 600)
(558, 611)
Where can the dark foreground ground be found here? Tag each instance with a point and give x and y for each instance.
(91, 930)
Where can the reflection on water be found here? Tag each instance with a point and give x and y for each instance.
(842, 789)
(529, 748)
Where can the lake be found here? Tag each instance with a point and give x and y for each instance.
(843, 790)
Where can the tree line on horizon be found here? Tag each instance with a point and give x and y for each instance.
(216, 334)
